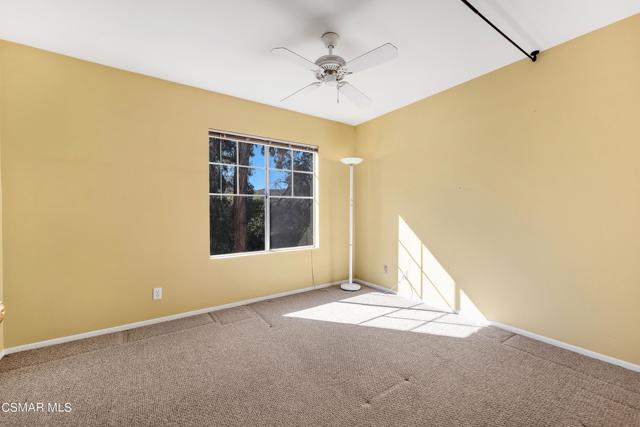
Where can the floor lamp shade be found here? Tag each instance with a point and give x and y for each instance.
(351, 162)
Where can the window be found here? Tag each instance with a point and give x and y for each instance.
(261, 194)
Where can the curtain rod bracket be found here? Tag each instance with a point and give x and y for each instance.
(533, 56)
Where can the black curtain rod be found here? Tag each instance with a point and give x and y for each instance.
(532, 56)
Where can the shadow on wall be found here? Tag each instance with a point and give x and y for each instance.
(428, 300)
(422, 277)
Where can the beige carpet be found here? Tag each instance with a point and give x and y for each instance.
(322, 358)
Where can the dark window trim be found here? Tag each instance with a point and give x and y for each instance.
(268, 142)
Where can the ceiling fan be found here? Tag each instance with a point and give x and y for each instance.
(331, 70)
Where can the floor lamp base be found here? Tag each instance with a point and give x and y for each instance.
(350, 287)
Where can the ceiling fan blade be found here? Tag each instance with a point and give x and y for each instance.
(294, 57)
(354, 95)
(308, 88)
(374, 57)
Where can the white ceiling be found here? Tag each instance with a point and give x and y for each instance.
(224, 45)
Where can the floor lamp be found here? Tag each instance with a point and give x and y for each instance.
(351, 162)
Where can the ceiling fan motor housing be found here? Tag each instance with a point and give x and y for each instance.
(331, 66)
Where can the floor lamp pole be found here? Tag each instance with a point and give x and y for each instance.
(351, 162)
(350, 223)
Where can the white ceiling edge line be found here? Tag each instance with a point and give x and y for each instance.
(115, 55)
(166, 79)
(159, 76)
(541, 54)
(540, 58)
(355, 123)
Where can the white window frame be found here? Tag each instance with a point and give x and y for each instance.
(267, 143)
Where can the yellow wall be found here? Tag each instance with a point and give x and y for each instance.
(105, 187)
(524, 185)
(1, 257)
(518, 192)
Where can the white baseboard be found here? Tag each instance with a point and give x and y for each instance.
(557, 343)
(61, 340)
(567, 346)
(148, 322)
(378, 287)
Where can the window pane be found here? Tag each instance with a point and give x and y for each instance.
(250, 154)
(302, 184)
(302, 161)
(228, 152)
(279, 183)
(236, 224)
(279, 158)
(291, 222)
(214, 150)
(251, 180)
(222, 179)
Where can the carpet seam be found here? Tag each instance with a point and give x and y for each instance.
(67, 357)
(160, 335)
(124, 342)
(258, 315)
(637, 409)
(570, 368)
(386, 391)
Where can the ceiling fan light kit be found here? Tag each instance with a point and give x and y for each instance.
(331, 70)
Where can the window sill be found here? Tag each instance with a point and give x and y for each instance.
(272, 251)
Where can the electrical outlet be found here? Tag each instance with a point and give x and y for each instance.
(157, 293)
(386, 269)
